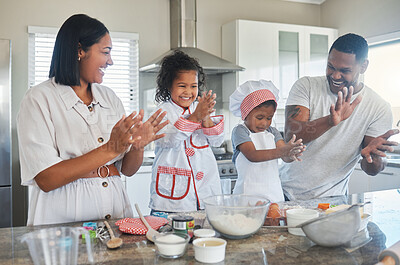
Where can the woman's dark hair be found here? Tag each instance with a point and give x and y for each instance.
(267, 104)
(77, 30)
(353, 44)
(170, 66)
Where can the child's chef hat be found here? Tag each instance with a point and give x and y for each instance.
(251, 94)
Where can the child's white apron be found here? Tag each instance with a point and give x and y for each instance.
(259, 178)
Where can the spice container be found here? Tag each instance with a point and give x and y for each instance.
(183, 224)
(171, 244)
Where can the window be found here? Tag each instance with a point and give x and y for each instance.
(382, 72)
(122, 77)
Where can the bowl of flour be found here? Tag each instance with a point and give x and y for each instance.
(236, 216)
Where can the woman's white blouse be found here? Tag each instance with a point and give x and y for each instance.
(54, 125)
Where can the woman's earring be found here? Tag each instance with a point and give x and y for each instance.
(79, 58)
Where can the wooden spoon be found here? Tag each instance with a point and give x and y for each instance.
(150, 231)
(114, 242)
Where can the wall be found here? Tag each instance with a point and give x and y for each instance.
(365, 17)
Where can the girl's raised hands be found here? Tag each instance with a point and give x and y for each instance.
(205, 107)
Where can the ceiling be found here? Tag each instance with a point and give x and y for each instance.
(316, 2)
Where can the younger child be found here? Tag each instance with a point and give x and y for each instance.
(257, 146)
(185, 170)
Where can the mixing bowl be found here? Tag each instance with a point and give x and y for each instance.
(334, 229)
(236, 216)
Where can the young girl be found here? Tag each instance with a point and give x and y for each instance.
(185, 170)
(256, 144)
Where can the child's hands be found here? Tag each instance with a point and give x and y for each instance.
(204, 108)
(292, 150)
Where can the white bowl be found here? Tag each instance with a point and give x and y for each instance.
(171, 244)
(209, 250)
(299, 216)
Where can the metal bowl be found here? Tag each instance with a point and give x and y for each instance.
(335, 229)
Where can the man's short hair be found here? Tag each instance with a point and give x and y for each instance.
(353, 44)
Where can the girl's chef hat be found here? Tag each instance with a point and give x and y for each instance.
(251, 94)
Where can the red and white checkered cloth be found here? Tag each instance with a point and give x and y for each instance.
(200, 175)
(135, 226)
(189, 152)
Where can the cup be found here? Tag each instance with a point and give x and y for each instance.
(57, 245)
(299, 216)
(209, 250)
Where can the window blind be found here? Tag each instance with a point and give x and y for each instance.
(122, 76)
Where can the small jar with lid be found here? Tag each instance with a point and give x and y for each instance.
(183, 224)
(204, 233)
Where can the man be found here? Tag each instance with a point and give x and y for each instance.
(339, 118)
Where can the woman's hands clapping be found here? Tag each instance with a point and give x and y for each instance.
(131, 130)
(147, 132)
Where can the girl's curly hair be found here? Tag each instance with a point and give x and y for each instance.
(170, 66)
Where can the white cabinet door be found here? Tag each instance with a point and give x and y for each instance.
(273, 51)
(138, 189)
(289, 62)
(256, 46)
(317, 42)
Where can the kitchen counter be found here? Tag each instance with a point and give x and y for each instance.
(279, 246)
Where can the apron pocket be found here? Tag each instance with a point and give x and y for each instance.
(173, 183)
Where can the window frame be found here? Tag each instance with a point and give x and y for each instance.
(130, 96)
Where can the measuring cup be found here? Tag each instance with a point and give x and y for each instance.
(57, 245)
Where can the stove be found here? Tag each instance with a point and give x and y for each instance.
(227, 172)
(224, 156)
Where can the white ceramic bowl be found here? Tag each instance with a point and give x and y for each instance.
(236, 216)
(299, 216)
(171, 244)
(209, 250)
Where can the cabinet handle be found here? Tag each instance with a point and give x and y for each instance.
(383, 173)
(386, 173)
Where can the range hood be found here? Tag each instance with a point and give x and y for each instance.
(183, 37)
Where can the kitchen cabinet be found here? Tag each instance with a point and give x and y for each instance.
(361, 182)
(138, 189)
(273, 51)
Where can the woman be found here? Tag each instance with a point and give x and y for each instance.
(74, 138)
